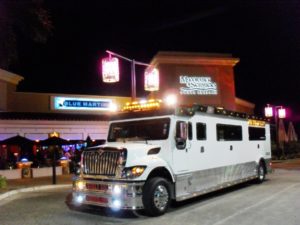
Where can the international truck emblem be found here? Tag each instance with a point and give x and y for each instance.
(100, 152)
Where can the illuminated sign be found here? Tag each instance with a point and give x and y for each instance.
(90, 104)
(197, 85)
(142, 105)
(258, 123)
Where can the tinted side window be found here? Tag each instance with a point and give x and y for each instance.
(257, 133)
(181, 130)
(227, 132)
(201, 131)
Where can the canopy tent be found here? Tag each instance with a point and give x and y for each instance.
(17, 140)
(18, 147)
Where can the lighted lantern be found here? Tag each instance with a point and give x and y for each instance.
(268, 111)
(281, 113)
(110, 70)
(151, 79)
(54, 134)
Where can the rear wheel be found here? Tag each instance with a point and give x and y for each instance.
(156, 196)
(261, 174)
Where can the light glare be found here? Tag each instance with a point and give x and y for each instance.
(113, 107)
(80, 185)
(117, 190)
(79, 198)
(116, 204)
(171, 100)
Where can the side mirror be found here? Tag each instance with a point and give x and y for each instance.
(181, 134)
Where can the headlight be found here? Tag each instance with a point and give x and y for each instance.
(133, 172)
(80, 185)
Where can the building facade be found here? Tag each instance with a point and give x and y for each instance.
(206, 79)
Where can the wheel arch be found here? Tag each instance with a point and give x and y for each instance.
(263, 162)
(164, 173)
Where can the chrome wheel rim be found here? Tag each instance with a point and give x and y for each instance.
(161, 197)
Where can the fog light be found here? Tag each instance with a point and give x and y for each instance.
(117, 190)
(79, 199)
(116, 204)
(80, 185)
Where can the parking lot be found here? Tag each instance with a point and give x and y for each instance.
(272, 202)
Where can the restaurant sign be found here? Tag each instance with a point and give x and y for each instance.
(197, 85)
(71, 103)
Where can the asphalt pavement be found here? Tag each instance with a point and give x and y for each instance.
(31, 184)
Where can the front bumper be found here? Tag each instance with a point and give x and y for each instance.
(116, 195)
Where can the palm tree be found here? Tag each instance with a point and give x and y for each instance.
(21, 19)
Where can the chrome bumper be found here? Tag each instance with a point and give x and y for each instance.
(116, 195)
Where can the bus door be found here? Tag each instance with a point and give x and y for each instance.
(182, 148)
(199, 152)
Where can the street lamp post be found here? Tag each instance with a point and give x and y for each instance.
(112, 69)
(278, 112)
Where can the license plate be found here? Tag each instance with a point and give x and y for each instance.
(98, 187)
(91, 198)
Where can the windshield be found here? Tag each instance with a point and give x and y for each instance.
(155, 129)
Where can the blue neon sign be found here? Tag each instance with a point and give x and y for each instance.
(71, 103)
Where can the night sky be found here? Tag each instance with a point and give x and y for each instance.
(265, 35)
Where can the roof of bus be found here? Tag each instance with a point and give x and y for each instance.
(185, 111)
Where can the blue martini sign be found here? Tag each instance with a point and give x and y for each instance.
(85, 104)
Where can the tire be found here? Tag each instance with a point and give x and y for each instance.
(156, 196)
(261, 174)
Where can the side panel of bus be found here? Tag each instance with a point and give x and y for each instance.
(218, 154)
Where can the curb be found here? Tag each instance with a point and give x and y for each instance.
(282, 170)
(31, 189)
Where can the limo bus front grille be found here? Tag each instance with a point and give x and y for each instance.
(100, 162)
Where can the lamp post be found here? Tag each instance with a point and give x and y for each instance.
(110, 72)
(278, 112)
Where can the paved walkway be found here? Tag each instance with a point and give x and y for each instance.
(289, 164)
(29, 184)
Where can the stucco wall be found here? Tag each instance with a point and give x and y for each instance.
(3, 96)
(216, 69)
(30, 102)
(40, 102)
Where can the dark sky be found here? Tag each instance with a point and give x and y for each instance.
(265, 35)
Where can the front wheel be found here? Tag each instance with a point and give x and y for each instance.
(156, 196)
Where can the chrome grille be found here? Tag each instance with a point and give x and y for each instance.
(100, 162)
